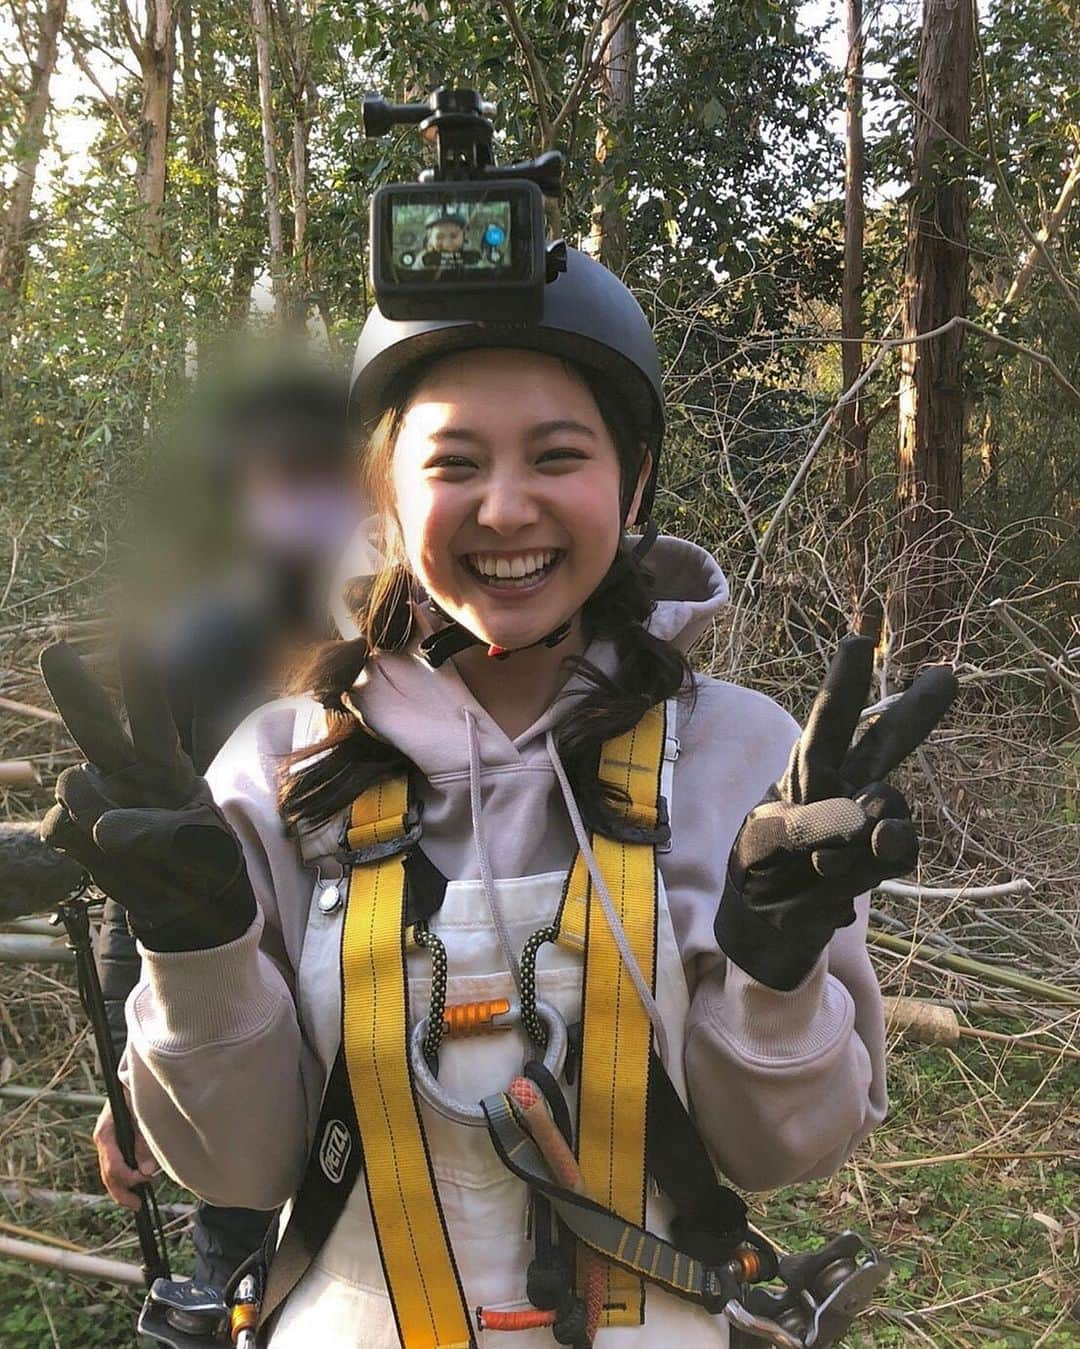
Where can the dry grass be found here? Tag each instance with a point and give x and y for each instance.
(969, 1186)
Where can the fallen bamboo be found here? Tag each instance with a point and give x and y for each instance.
(992, 974)
(30, 927)
(13, 1229)
(89, 1266)
(18, 949)
(18, 773)
(36, 1194)
(930, 1023)
(903, 890)
(30, 710)
(85, 1099)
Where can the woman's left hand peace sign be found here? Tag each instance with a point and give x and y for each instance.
(832, 827)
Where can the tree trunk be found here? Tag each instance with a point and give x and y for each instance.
(615, 85)
(303, 102)
(866, 608)
(13, 237)
(931, 396)
(278, 281)
(157, 57)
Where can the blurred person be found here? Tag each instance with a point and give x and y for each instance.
(276, 450)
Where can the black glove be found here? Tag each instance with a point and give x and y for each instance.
(830, 829)
(138, 817)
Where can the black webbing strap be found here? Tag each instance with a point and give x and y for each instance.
(710, 1218)
(337, 1154)
(611, 1237)
(329, 1177)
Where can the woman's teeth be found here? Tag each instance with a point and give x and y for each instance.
(512, 572)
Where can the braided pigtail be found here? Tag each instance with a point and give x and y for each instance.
(648, 671)
(323, 778)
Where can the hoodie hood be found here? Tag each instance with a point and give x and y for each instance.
(690, 591)
(419, 709)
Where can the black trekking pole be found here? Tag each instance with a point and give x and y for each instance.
(74, 913)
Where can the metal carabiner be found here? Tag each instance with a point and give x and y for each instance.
(427, 1084)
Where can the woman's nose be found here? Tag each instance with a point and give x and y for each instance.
(507, 506)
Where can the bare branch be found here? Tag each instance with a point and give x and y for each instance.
(538, 85)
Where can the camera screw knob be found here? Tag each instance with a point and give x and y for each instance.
(556, 259)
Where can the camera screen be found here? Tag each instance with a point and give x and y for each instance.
(458, 240)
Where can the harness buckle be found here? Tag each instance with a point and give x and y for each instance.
(411, 830)
(623, 830)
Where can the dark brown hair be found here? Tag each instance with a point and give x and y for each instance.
(648, 670)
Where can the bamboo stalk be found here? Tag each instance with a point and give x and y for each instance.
(1019, 1042)
(34, 1235)
(29, 710)
(905, 891)
(17, 949)
(91, 1100)
(930, 1023)
(18, 773)
(90, 1266)
(975, 968)
(29, 927)
(35, 1194)
(972, 1154)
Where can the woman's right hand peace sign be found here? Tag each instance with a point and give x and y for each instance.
(832, 827)
(137, 816)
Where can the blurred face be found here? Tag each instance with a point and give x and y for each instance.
(446, 237)
(295, 512)
(506, 487)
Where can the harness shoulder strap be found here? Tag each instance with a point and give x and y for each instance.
(373, 1103)
(616, 1031)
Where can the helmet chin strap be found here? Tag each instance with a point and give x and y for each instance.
(440, 646)
(453, 638)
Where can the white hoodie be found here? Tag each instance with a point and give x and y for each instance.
(783, 1084)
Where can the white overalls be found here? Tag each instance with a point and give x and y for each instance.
(341, 1302)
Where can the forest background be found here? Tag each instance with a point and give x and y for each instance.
(854, 233)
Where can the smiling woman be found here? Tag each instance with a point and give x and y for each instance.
(507, 494)
(530, 811)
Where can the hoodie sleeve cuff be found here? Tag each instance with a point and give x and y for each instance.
(774, 1028)
(191, 998)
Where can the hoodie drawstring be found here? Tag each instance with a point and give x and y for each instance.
(639, 981)
(498, 917)
(486, 877)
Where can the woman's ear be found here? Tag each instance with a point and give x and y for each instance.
(639, 490)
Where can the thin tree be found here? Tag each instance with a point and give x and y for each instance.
(278, 280)
(930, 438)
(16, 223)
(854, 430)
(294, 47)
(155, 50)
(615, 78)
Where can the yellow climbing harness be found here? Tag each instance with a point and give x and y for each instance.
(422, 1279)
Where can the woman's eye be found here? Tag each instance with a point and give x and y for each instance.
(562, 454)
(451, 462)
